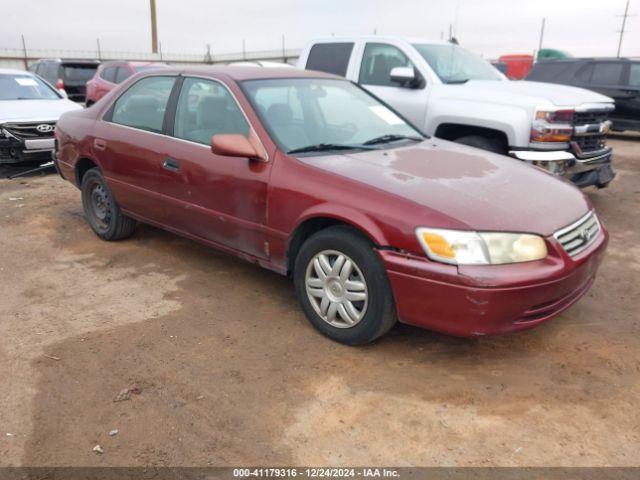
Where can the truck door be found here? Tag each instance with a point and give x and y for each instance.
(377, 62)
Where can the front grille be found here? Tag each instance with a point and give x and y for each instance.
(593, 116)
(579, 235)
(588, 143)
(26, 131)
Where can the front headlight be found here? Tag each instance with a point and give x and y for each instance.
(460, 247)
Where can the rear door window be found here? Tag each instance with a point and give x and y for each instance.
(50, 72)
(122, 75)
(634, 75)
(583, 75)
(206, 108)
(607, 73)
(144, 104)
(109, 74)
(330, 57)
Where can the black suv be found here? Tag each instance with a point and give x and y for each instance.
(70, 76)
(618, 78)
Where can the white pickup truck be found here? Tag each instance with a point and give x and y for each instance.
(452, 93)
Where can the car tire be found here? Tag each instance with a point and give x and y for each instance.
(484, 143)
(101, 210)
(329, 289)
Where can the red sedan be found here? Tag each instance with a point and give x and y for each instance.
(110, 74)
(308, 175)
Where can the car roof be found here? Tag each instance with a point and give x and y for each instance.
(109, 63)
(379, 38)
(586, 59)
(14, 71)
(240, 73)
(76, 61)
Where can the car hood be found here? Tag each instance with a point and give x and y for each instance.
(475, 189)
(34, 110)
(525, 92)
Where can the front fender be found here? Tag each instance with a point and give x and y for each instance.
(513, 121)
(348, 215)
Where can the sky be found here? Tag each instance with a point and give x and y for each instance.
(489, 27)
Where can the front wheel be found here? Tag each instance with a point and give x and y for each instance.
(101, 210)
(343, 288)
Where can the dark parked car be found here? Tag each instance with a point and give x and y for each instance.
(70, 77)
(110, 74)
(618, 78)
(307, 174)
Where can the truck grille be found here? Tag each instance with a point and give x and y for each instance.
(591, 142)
(579, 235)
(26, 131)
(593, 116)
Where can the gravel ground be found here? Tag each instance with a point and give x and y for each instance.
(229, 371)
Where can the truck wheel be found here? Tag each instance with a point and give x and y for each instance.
(485, 143)
(101, 210)
(343, 287)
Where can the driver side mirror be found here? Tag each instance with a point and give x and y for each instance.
(235, 145)
(406, 77)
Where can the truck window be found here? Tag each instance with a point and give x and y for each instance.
(634, 75)
(378, 61)
(607, 73)
(330, 57)
(583, 75)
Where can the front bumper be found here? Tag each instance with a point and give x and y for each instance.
(15, 150)
(474, 301)
(584, 171)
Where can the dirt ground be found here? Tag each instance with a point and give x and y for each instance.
(231, 373)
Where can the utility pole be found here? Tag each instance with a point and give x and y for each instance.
(154, 28)
(624, 22)
(284, 55)
(24, 50)
(244, 50)
(99, 50)
(541, 36)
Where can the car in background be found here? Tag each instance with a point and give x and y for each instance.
(618, 78)
(452, 93)
(29, 109)
(69, 76)
(311, 176)
(261, 63)
(517, 65)
(110, 74)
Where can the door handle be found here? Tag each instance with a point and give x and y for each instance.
(171, 164)
(99, 144)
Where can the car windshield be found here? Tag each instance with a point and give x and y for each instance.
(25, 87)
(301, 113)
(453, 64)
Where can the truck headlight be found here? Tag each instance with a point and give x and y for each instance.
(550, 125)
(460, 247)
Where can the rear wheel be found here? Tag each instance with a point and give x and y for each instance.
(101, 210)
(485, 143)
(343, 288)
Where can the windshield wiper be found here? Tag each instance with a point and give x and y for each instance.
(451, 82)
(391, 138)
(325, 147)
